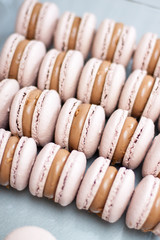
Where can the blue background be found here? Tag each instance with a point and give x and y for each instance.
(20, 208)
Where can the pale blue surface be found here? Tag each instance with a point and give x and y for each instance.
(20, 208)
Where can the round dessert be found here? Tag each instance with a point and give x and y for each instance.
(30, 232)
(126, 141)
(60, 71)
(144, 209)
(101, 83)
(37, 21)
(8, 89)
(34, 114)
(147, 55)
(141, 95)
(73, 32)
(151, 165)
(17, 156)
(105, 190)
(20, 59)
(57, 174)
(114, 42)
(79, 126)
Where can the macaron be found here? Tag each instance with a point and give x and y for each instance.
(57, 174)
(61, 71)
(101, 83)
(125, 140)
(105, 190)
(144, 209)
(114, 42)
(147, 54)
(20, 59)
(34, 114)
(17, 156)
(74, 32)
(79, 126)
(8, 89)
(141, 95)
(30, 232)
(151, 165)
(37, 21)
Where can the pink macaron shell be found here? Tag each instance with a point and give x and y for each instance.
(142, 202)
(70, 178)
(125, 46)
(87, 79)
(16, 112)
(7, 54)
(8, 89)
(62, 32)
(130, 90)
(91, 183)
(64, 122)
(102, 39)
(69, 74)
(156, 230)
(119, 195)
(139, 143)
(113, 84)
(4, 137)
(46, 69)
(144, 51)
(157, 69)
(24, 16)
(30, 63)
(46, 23)
(112, 133)
(30, 232)
(152, 109)
(151, 165)
(41, 169)
(45, 116)
(22, 163)
(89, 139)
(85, 33)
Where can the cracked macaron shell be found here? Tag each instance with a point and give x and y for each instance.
(69, 72)
(142, 202)
(30, 61)
(114, 82)
(89, 139)
(8, 89)
(46, 22)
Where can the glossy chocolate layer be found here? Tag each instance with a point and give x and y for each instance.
(127, 132)
(154, 58)
(142, 96)
(54, 83)
(154, 215)
(77, 125)
(6, 163)
(55, 173)
(33, 21)
(99, 83)
(74, 33)
(114, 41)
(28, 111)
(103, 191)
(13, 72)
